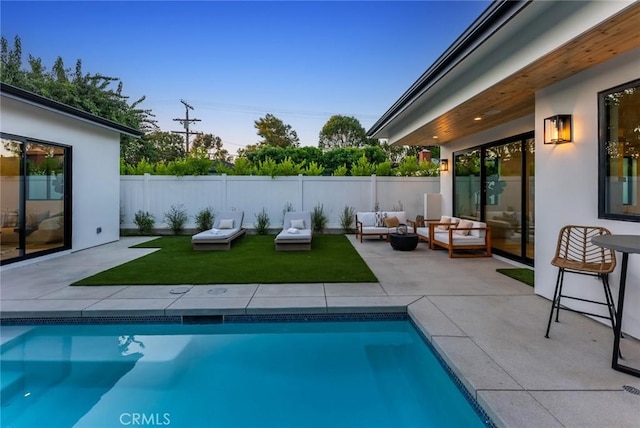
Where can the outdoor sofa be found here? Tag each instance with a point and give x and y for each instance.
(226, 228)
(296, 232)
(378, 223)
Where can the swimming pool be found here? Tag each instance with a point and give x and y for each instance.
(277, 374)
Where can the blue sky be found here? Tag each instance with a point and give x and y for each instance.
(234, 62)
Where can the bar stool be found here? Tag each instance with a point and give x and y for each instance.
(576, 254)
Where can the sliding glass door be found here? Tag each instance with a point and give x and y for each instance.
(494, 183)
(35, 198)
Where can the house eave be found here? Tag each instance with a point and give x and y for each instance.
(13, 92)
(491, 20)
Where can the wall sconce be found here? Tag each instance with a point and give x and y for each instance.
(444, 165)
(558, 129)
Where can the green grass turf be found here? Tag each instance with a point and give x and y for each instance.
(252, 259)
(520, 274)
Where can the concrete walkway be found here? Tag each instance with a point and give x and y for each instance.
(488, 327)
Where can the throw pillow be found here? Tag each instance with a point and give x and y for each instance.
(380, 216)
(226, 223)
(460, 229)
(444, 219)
(391, 221)
(297, 223)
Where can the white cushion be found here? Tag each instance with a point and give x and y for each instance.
(423, 231)
(461, 229)
(226, 223)
(458, 239)
(401, 215)
(444, 219)
(479, 233)
(297, 224)
(367, 218)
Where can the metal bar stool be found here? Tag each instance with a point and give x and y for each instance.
(576, 254)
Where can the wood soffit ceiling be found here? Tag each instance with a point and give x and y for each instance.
(514, 96)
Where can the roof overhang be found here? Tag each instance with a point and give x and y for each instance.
(36, 100)
(490, 75)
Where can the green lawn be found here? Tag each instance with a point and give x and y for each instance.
(252, 259)
(520, 274)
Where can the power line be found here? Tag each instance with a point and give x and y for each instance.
(186, 122)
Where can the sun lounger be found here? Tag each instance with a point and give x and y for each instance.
(296, 232)
(226, 228)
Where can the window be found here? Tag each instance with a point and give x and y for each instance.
(619, 149)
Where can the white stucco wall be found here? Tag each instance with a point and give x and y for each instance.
(567, 180)
(95, 167)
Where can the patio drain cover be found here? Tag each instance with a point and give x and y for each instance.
(179, 290)
(217, 290)
(631, 389)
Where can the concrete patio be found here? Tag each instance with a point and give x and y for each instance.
(488, 327)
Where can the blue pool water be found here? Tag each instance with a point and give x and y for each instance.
(309, 374)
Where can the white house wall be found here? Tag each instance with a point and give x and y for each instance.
(95, 169)
(567, 180)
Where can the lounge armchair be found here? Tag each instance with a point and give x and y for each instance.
(454, 234)
(226, 228)
(296, 232)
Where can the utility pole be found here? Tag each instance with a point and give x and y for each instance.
(186, 122)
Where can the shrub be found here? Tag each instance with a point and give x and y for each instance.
(346, 218)
(262, 222)
(267, 167)
(145, 222)
(242, 166)
(313, 169)
(288, 167)
(204, 219)
(384, 169)
(340, 171)
(318, 218)
(361, 168)
(176, 218)
(409, 167)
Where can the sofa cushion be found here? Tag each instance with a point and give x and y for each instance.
(380, 216)
(391, 221)
(479, 230)
(400, 215)
(458, 239)
(461, 228)
(366, 218)
(444, 219)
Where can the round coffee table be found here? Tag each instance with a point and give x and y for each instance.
(403, 242)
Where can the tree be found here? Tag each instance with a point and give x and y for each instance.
(93, 93)
(154, 147)
(341, 132)
(275, 132)
(213, 146)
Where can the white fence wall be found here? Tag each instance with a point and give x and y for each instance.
(156, 194)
